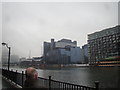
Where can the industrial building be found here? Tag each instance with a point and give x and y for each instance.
(62, 52)
(104, 47)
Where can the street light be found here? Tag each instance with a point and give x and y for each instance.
(5, 44)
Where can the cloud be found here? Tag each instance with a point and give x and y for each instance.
(26, 25)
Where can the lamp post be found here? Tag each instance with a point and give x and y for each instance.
(5, 44)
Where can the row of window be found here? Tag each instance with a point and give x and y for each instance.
(114, 37)
(101, 36)
(104, 41)
(97, 48)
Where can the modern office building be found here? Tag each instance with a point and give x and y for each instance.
(62, 52)
(104, 47)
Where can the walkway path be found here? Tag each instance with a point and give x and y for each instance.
(4, 83)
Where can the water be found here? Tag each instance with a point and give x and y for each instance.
(109, 77)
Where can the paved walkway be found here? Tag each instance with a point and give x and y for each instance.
(4, 83)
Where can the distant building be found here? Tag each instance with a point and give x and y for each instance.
(14, 59)
(22, 59)
(4, 55)
(61, 52)
(34, 62)
(85, 53)
(25, 62)
(37, 58)
(104, 47)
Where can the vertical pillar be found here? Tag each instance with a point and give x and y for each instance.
(22, 78)
(96, 85)
(49, 82)
(16, 77)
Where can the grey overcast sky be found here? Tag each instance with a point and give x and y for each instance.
(26, 25)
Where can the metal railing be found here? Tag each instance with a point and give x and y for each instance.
(14, 76)
(19, 78)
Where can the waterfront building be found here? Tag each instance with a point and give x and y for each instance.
(25, 62)
(34, 62)
(104, 47)
(85, 53)
(61, 52)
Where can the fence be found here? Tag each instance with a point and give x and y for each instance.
(19, 78)
(16, 77)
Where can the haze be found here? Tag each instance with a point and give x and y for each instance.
(26, 25)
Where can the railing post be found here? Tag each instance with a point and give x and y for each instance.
(11, 75)
(49, 82)
(16, 77)
(8, 74)
(96, 85)
(22, 78)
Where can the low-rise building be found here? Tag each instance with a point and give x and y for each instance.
(34, 62)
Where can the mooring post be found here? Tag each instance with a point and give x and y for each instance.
(49, 82)
(96, 85)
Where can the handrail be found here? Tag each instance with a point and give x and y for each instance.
(71, 84)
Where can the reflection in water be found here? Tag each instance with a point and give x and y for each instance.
(107, 76)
